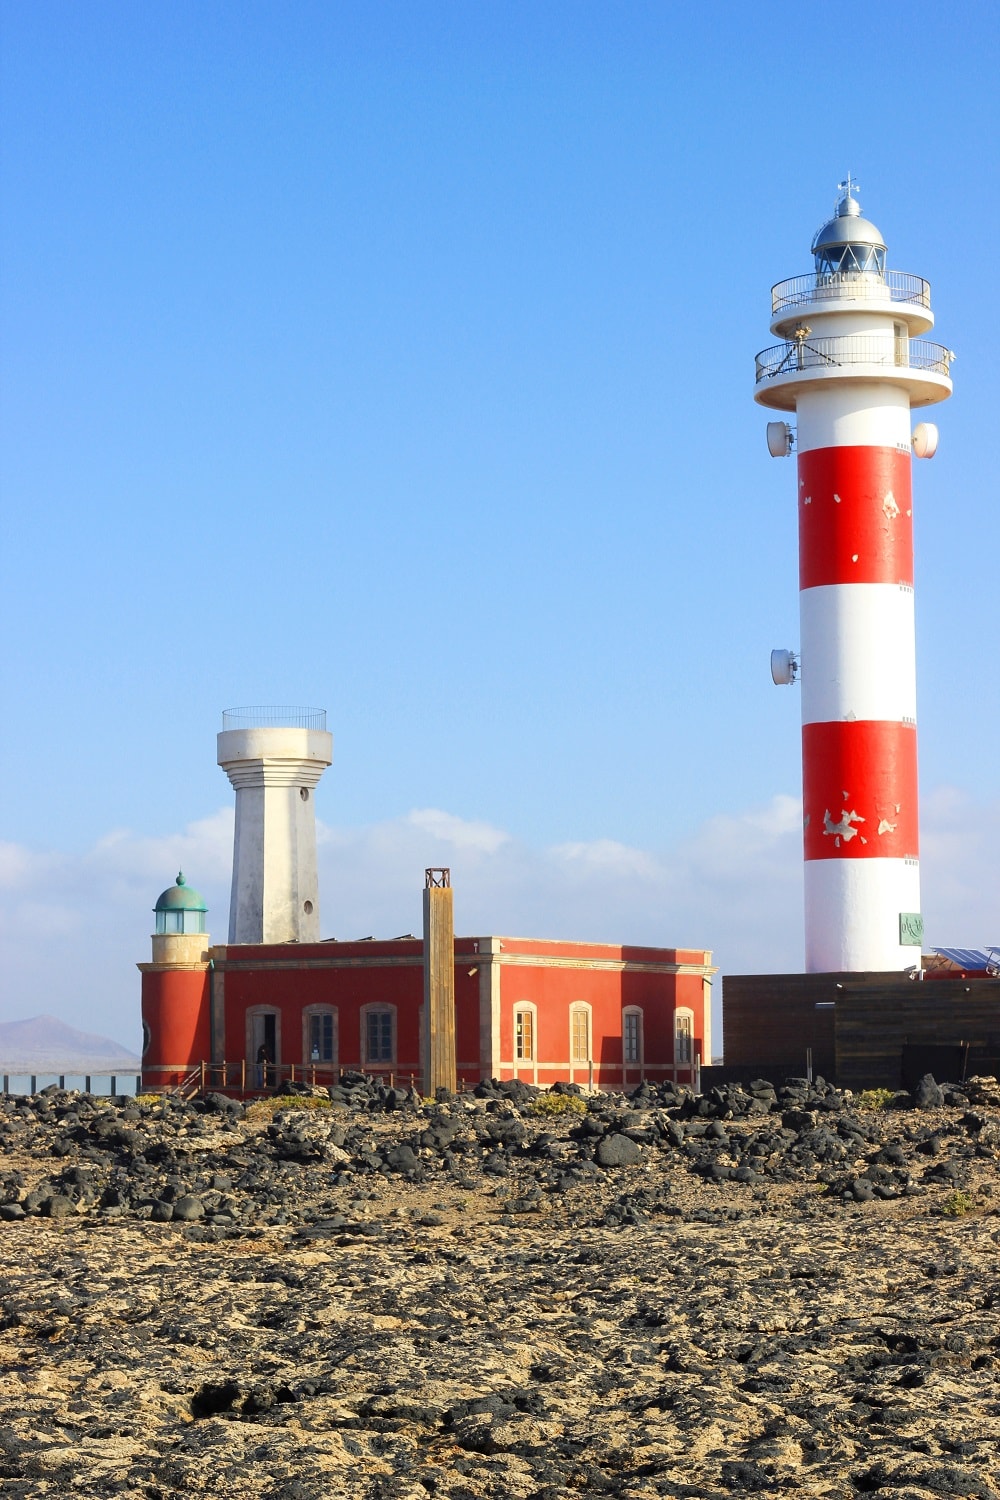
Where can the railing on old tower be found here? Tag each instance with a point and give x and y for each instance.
(274, 716)
(437, 879)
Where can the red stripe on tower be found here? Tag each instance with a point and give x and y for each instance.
(859, 792)
(855, 516)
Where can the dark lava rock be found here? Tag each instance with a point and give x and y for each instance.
(927, 1094)
(401, 1158)
(949, 1171)
(189, 1208)
(211, 1398)
(58, 1206)
(222, 1104)
(37, 1197)
(617, 1151)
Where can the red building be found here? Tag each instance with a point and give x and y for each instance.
(601, 1015)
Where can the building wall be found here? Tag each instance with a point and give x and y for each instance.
(347, 976)
(550, 979)
(492, 976)
(866, 1022)
(770, 1021)
(876, 1021)
(175, 1022)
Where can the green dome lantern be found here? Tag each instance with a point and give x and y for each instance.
(180, 909)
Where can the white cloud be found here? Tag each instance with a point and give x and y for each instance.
(734, 848)
(448, 829)
(205, 846)
(960, 869)
(604, 857)
(18, 865)
(73, 926)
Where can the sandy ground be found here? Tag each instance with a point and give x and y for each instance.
(463, 1339)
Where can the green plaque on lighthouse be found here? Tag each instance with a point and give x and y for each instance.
(911, 929)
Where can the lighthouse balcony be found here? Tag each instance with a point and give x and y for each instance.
(922, 368)
(906, 297)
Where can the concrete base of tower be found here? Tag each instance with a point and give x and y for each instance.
(857, 911)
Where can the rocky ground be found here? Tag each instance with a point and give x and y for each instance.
(771, 1291)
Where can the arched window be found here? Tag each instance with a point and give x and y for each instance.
(579, 1033)
(525, 1031)
(632, 1040)
(684, 1037)
(378, 1035)
(319, 1034)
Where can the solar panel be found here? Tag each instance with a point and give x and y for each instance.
(969, 958)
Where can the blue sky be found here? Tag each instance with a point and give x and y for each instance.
(397, 359)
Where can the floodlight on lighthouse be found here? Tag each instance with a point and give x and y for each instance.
(924, 440)
(780, 439)
(784, 668)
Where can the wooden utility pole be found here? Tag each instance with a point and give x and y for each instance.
(439, 982)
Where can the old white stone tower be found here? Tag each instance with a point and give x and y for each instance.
(274, 758)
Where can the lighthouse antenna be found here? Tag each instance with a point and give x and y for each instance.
(849, 187)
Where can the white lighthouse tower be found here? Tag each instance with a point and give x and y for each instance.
(274, 757)
(851, 366)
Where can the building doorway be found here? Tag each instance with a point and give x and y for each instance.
(264, 1046)
(901, 343)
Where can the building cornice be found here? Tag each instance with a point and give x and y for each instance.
(236, 964)
(513, 960)
(618, 966)
(173, 968)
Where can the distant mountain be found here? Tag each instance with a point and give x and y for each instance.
(45, 1045)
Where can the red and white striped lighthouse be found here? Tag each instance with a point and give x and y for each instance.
(851, 366)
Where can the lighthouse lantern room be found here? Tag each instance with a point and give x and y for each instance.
(851, 365)
(180, 909)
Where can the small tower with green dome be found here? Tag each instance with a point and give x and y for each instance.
(180, 908)
(176, 989)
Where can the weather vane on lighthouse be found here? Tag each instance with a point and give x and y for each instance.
(851, 366)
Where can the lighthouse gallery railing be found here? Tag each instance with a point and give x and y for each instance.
(274, 716)
(892, 286)
(852, 349)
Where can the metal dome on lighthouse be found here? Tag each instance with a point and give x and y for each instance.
(180, 908)
(848, 244)
(851, 365)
